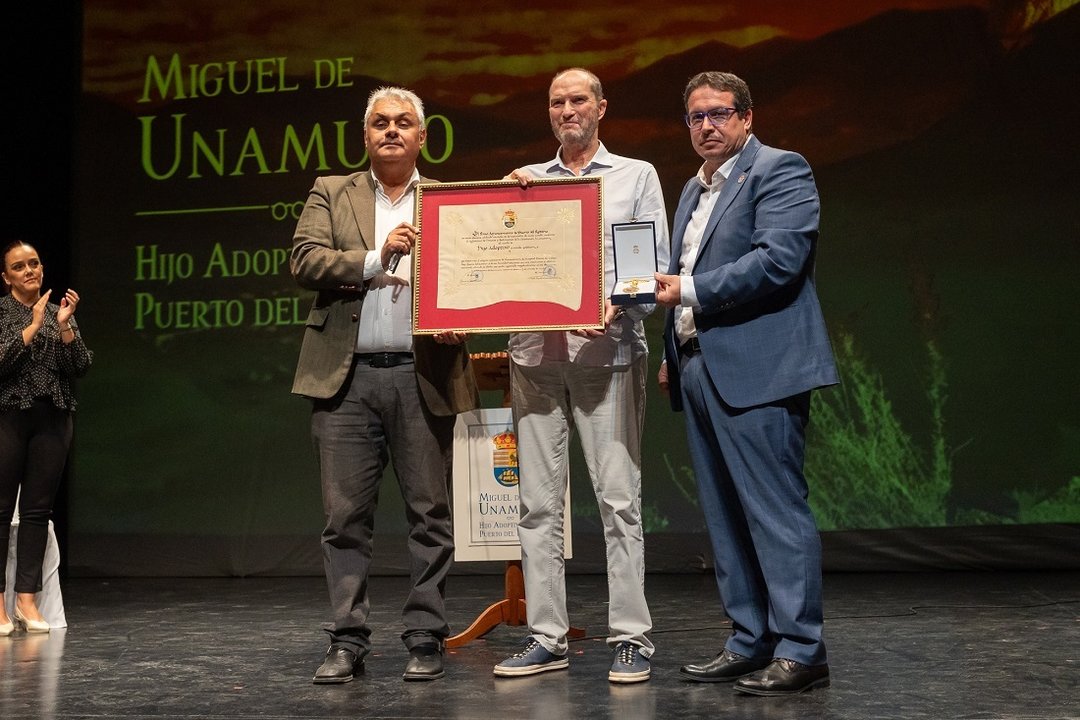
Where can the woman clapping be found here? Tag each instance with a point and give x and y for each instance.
(41, 351)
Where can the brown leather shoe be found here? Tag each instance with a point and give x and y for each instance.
(340, 666)
(784, 677)
(725, 667)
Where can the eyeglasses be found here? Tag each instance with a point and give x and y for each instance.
(717, 116)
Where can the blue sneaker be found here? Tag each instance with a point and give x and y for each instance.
(534, 658)
(629, 665)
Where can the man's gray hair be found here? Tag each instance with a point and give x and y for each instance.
(396, 93)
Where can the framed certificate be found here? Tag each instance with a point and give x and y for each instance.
(496, 257)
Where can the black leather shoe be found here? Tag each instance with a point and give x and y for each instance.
(425, 663)
(725, 667)
(785, 677)
(340, 666)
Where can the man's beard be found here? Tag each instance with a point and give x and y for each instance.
(584, 132)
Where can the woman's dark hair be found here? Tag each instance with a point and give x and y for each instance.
(8, 247)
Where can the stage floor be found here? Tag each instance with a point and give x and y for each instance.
(940, 646)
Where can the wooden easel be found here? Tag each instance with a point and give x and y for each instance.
(492, 372)
(510, 610)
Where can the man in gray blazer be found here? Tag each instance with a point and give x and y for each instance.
(745, 343)
(379, 394)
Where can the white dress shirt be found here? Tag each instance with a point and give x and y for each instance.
(386, 313)
(631, 193)
(692, 237)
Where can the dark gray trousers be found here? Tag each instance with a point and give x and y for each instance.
(379, 417)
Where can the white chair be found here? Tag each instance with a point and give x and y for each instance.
(50, 601)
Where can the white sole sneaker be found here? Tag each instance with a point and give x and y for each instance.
(511, 671)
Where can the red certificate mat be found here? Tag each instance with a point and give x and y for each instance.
(496, 257)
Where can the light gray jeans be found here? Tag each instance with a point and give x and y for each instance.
(607, 406)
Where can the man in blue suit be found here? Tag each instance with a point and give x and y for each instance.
(745, 344)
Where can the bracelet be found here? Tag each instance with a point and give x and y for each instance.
(67, 329)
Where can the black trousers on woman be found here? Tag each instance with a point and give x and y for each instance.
(33, 450)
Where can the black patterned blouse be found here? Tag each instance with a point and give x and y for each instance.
(45, 368)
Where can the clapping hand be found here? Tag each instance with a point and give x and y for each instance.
(67, 306)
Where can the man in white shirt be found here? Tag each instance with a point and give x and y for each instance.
(745, 345)
(594, 381)
(379, 394)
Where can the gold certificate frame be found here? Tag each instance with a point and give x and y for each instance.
(497, 257)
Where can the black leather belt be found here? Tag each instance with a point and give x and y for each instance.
(384, 359)
(690, 347)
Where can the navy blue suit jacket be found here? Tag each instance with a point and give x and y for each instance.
(760, 325)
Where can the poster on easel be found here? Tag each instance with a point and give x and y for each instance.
(486, 477)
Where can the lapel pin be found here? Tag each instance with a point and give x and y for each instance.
(741, 178)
